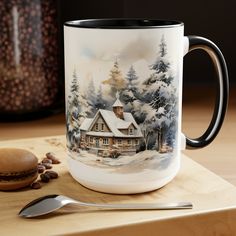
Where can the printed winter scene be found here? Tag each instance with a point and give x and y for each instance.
(124, 117)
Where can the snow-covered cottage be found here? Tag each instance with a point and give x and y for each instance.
(110, 131)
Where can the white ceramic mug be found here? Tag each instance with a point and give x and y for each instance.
(123, 82)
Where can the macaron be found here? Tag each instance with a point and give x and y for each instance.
(18, 168)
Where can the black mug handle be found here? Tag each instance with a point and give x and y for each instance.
(196, 42)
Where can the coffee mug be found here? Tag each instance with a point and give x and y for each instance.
(123, 81)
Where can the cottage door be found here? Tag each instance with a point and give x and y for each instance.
(97, 142)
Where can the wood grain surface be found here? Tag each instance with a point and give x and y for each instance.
(213, 198)
(198, 104)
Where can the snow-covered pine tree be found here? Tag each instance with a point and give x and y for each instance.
(159, 93)
(78, 109)
(116, 81)
(130, 93)
(74, 90)
(161, 64)
(171, 116)
(132, 97)
(100, 102)
(132, 77)
(91, 96)
(151, 79)
(79, 105)
(72, 111)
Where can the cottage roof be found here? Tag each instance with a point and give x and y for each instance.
(100, 134)
(123, 124)
(114, 123)
(86, 124)
(117, 103)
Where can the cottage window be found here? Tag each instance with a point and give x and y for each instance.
(102, 127)
(91, 139)
(96, 126)
(119, 141)
(136, 141)
(105, 141)
(131, 131)
(129, 141)
(97, 142)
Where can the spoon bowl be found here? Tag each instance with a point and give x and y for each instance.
(50, 203)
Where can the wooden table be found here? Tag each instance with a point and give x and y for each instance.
(214, 198)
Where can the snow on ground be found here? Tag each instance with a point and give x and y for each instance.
(148, 159)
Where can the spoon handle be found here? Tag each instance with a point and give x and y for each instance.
(140, 206)
(51, 203)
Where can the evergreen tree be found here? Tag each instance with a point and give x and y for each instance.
(116, 81)
(162, 45)
(131, 77)
(162, 79)
(72, 111)
(91, 96)
(74, 96)
(161, 64)
(159, 93)
(100, 102)
(78, 109)
(151, 79)
(130, 93)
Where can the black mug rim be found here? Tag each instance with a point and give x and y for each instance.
(123, 23)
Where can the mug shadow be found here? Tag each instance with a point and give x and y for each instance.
(71, 188)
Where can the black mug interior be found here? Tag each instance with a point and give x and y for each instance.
(123, 23)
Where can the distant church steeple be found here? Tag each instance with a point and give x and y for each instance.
(118, 107)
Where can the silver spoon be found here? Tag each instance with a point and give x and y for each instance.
(49, 203)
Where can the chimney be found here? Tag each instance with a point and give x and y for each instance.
(118, 107)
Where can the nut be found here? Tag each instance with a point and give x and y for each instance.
(47, 165)
(35, 185)
(45, 178)
(41, 168)
(51, 156)
(52, 174)
(46, 160)
(56, 161)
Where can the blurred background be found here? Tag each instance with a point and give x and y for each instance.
(213, 19)
(209, 18)
(32, 50)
